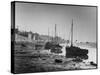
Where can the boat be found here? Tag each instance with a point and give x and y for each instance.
(53, 45)
(74, 51)
(56, 48)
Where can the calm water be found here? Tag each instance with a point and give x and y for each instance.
(91, 55)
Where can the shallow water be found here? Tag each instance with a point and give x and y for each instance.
(92, 56)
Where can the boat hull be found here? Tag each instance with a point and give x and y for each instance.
(76, 52)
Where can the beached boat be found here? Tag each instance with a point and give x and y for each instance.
(54, 45)
(73, 51)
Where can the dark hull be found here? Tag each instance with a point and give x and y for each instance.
(56, 50)
(74, 52)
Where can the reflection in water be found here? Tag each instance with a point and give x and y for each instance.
(92, 54)
(88, 58)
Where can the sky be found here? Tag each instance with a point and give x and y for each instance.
(41, 17)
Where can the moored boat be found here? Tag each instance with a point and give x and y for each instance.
(74, 51)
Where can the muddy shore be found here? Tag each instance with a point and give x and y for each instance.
(43, 61)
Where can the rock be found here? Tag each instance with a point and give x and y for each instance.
(77, 60)
(92, 63)
(23, 45)
(43, 59)
(58, 61)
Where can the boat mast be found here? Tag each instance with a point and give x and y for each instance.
(55, 35)
(72, 33)
(48, 34)
(55, 31)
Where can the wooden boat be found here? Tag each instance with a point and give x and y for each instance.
(73, 51)
(54, 45)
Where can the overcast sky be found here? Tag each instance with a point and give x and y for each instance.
(39, 17)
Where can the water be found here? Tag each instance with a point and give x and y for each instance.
(63, 49)
(92, 56)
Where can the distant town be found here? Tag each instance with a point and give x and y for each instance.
(36, 38)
